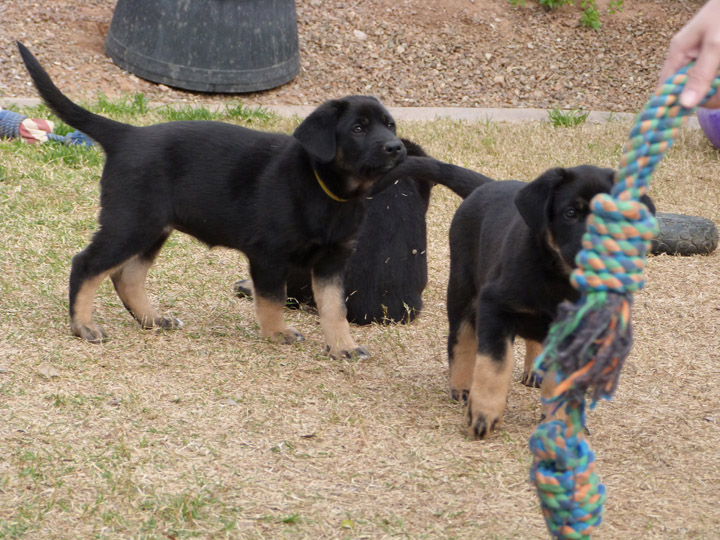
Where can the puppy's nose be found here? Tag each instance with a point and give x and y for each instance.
(393, 147)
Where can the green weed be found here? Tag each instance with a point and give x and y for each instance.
(590, 12)
(567, 118)
(127, 106)
(188, 112)
(248, 114)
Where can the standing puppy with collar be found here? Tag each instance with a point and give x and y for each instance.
(387, 272)
(512, 249)
(285, 201)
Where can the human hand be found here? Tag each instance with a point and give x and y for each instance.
(698, 40)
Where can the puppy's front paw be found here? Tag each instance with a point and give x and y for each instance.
(481, 420)
(358, 353)
(287, 336)
(92, 332)
(457, 394)
(531, 379)
(480, 423)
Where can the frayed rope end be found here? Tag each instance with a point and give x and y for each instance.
(587, 346)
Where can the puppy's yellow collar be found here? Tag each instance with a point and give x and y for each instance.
(327, 190)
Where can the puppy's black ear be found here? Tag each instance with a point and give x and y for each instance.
(534, 200)
(316, 133)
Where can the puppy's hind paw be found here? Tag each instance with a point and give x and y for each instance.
(459, 395)
(169, 323)
(91, 333)
(162, 323)
(531, 379)
(287, 336)
(358, 353)
(243, 288)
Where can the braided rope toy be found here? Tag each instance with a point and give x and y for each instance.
(14, 125)
(589, 341)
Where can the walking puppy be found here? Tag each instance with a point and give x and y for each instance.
(512, 248)
(387, 273)
(285, 201)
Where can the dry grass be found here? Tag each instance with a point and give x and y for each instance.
(212, 432)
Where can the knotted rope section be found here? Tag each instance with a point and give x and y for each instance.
(589, 341)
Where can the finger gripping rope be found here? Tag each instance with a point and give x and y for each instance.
(589, 341)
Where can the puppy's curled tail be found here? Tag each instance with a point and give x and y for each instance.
(460, 180)
(101, 129)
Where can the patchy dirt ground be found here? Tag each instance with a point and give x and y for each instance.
(483, 53)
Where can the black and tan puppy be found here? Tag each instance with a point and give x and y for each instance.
(512, 248)
(285, 201)
(387, 273)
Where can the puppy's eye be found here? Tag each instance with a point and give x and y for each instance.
(391, 125)
(570, 213)
(358, 128)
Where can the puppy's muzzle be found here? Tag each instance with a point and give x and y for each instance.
(394, 148)
(395, 153)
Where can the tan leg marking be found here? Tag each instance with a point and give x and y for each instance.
(269, 314)
(532, 350)
(488, 394)
(462, 362)
(81, 323)
(129, 281)
(330, 300)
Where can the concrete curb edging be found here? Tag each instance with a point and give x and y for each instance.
(412, 114)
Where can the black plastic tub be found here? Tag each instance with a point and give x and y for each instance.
(207, 45)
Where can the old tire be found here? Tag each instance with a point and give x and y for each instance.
(684, 235)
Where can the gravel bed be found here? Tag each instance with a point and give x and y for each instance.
(470, 53)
